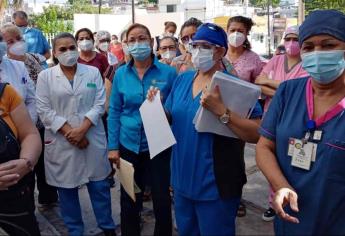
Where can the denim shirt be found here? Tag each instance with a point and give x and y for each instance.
(125, 126)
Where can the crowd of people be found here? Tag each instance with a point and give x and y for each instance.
(70, 124)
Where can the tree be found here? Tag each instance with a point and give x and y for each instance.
(14, 4)
(264, 3)
(54, 19)
(311, 5)
(85, 6)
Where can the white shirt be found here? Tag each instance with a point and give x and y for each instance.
(16, 74)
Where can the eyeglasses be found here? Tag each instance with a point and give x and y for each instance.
(171, 48)
(185, 39)
(203, 46)
(132, 41)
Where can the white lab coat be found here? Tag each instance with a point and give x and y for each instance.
(15, 73)
(67, 166)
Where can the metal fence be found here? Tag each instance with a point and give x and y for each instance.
(50, 37)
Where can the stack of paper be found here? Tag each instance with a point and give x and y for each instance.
(238, 95)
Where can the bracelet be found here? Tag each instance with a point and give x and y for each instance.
(29, 164)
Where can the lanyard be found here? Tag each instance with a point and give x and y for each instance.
(331, 113)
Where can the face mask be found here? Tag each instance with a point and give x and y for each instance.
(169, 55)
(103, 46)
(125, 49)
(168, 34)
(18, 48)
(23, 29)
(85, 45)
(3, 50)
(68, 58)
(203, 59)
(114, 41)
(140, 51)
(236, 39)
(324, 66)
(292, 48)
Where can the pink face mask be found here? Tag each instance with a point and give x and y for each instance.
(292, 48)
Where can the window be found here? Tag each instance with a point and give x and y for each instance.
(171, 8)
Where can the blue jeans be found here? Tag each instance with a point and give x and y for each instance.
(214, 217)
(99, 192)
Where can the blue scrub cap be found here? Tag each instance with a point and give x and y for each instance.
(212, 33)
(330, 22)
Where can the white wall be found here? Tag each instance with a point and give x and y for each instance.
(115, 24)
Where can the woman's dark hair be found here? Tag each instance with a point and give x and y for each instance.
(169, 24)
(88, 31)
(248, 24)
(190, 22)
(136, 25)
(56, 38)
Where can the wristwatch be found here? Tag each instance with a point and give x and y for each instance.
(225, 118)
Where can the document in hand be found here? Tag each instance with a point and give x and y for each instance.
(238, 95)
(157, 129)
(126, 177)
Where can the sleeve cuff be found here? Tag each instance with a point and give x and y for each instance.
(92, 117)
(57, 124)
(267, 134)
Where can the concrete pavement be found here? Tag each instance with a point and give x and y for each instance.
(255, 195)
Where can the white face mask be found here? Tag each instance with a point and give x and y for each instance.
(68, 58)
(18, 48)
(169, 55)
(104, 46)
(236, 39)
(203, 59)
(85, 45)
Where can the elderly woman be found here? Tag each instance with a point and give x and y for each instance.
(208, 170)
(127, 137)
(167, 49)
(102, 44)
(20, 147)
(302, 145)
(70, 102)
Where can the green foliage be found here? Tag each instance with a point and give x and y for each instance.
(311, 5)
(263, 3)
(55, 19)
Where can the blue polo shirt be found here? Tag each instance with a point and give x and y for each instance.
(192, 165)
(35, 40)
(320, 190)
(125, 126)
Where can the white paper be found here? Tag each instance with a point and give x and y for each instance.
(157, 129)
(126, 177)
(238, 95)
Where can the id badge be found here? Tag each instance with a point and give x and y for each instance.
(302, 155)
(291, 146)
(317, 135)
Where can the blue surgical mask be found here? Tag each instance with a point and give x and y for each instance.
(140, 51)
(23, 29)
(324, 66)
(3, 50)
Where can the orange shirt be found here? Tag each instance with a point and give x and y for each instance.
(9, 101)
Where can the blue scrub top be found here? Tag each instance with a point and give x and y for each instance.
(321, 190)
(35, 41)
(192, 169)
(125, 126)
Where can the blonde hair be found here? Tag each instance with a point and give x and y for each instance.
(13, 30)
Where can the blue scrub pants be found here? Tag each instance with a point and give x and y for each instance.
(99, 192)
(214, 217)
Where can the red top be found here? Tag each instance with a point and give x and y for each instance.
(117, 50)
(99, 61)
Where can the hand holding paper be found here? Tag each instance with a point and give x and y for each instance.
(157, 129)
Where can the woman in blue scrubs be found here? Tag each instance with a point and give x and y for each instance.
(301, 150)
(208, 170)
